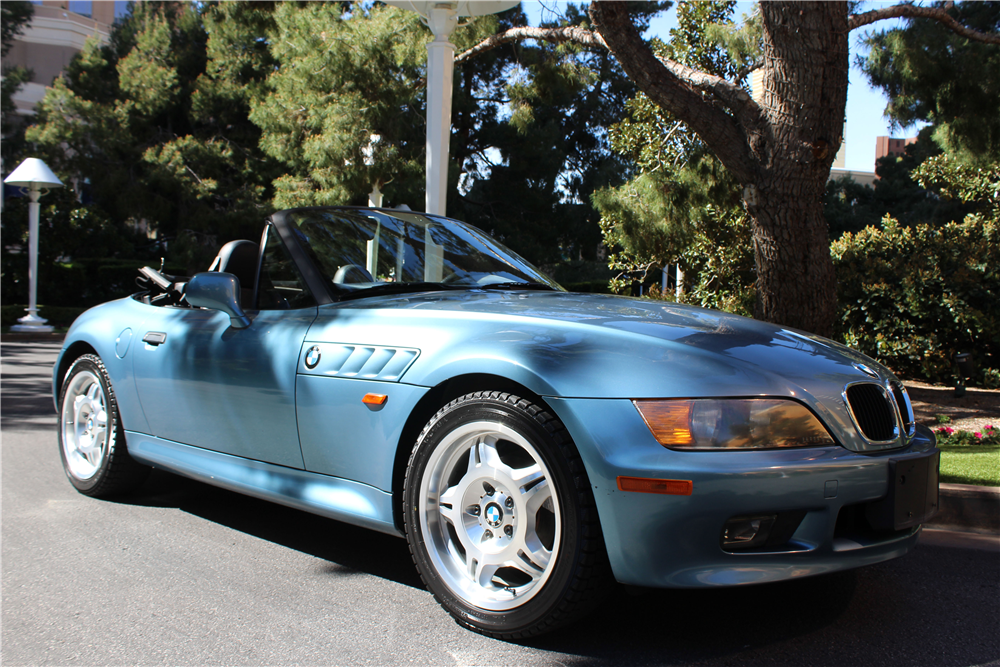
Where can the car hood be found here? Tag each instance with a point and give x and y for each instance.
(602, 346)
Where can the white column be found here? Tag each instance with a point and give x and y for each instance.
(375, 197)
(31, 321)
(440, 66)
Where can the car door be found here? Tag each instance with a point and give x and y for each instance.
(204, 383)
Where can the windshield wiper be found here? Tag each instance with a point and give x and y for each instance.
(514, 285)
(397, 288)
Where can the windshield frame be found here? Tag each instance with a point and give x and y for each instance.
(327, 292)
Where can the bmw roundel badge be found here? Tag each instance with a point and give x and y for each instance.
(312, 357)
(494, 515)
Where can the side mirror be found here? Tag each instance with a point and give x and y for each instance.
(218, 291)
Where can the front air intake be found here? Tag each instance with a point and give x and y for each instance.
(872, 411)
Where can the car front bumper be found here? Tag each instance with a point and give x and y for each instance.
(674, 541)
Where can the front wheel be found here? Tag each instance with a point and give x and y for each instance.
(500, 517)
(91, 438)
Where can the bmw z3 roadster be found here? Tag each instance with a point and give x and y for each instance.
(407, 373)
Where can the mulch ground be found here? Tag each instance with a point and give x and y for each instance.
(971, 412)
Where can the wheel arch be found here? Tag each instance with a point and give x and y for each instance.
(66, 359)
(435, 399)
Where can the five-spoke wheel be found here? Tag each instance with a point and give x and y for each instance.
(84, 425)
(489, 515)
(91, 440)
(500, 517)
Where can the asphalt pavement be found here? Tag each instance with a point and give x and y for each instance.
(186, 574)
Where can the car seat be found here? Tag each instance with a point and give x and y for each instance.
(239, 258)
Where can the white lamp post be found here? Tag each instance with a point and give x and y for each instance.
(375, 196)
(34, 176)
(441, 18)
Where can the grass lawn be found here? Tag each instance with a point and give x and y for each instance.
(970, 464)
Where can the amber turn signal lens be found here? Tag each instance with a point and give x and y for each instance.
(669, 487)
(374, 399)
(670, 421)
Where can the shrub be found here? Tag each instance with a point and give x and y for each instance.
(987, 436)
(912, 297)
(57, 316)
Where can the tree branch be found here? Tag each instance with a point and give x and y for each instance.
(554, 35)
(679, 90)
(912, 11)
(730, 94)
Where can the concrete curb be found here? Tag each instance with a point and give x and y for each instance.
(968, 508)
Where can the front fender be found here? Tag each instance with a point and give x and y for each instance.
(111, 331)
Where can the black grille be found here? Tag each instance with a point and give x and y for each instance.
(903, 403)
(872, 412)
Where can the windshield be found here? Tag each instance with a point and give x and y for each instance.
(356, 250)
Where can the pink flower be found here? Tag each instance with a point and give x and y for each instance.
(979, 436)
(989, 427)
(946, 430)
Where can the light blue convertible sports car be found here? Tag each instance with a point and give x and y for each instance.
(407, 373)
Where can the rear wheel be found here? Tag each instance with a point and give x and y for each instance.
(500, 517)
(91, 438)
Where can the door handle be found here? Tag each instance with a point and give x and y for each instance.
(155, 338)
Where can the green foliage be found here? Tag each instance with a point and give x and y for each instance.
(57, 316)
(988, 435)
(954, 180)
(683, 207)
(157, 133)
(344, 74)
(850, 207)
(67, 229)
(912, 297)
(933, 75)
(720, 261)
(526, 177)
(14, 15)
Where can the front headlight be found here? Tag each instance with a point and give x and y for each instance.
(732, 423)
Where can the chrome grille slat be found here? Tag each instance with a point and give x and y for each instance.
(902, 398)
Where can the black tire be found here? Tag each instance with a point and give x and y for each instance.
(500, 518)
(91, 438)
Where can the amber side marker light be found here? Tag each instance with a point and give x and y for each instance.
(375, 399)
(668, 487)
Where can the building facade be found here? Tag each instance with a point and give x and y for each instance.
(55, 34)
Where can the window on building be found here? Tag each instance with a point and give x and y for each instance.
(121, 9)
(81, 7)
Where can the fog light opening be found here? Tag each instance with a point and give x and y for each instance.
(747, 532)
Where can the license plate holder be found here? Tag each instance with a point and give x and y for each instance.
(913, 493)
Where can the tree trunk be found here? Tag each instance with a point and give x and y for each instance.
(805, 93)
(780, 148)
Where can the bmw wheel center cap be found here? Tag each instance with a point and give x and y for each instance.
(494, 515)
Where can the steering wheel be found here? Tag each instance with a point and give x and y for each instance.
(346, 271)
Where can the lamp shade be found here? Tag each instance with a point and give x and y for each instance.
(33, 173)
(463, 8)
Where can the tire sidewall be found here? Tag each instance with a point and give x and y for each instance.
(93, 364)
(546, 600)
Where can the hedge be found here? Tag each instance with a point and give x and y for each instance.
(912, 297)
(57, 316)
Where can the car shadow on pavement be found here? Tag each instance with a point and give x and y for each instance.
(909, 611)
(347, 549)
(832, 619)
